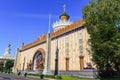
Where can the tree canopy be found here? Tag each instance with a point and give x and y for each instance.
(102, 20)
(9, 64)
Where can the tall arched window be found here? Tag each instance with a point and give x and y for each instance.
(67, 45)
(81, 42)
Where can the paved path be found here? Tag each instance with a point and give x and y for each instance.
(4, 76)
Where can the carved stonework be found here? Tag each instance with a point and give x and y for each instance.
(29, 65)
(39, 60)
(40, 66)
(38, 41)
(39, 63)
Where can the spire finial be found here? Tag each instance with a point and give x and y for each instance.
(9, 45)
(49, 23)
(64, 7)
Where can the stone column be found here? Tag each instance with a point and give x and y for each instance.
(46, 70)
(15, 62)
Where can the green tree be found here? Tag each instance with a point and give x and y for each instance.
(102, 20)
(9, 64)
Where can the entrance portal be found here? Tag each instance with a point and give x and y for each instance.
(38, 60)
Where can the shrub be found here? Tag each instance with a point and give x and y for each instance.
(58, 77)
(53, 76)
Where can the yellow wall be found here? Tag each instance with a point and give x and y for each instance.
(74, 53)
(29, 55)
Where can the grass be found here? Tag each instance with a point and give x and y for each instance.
(69, 77)
(38, 75)
(72, 78)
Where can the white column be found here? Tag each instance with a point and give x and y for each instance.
(46, 70)
(14, 68)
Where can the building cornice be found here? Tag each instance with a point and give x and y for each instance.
(59, 32)
(40, 40)
(68, 28)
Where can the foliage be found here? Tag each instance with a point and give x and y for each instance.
(53, 76)
(102, 20)
(30, 74)
(2, 69)
(46, 76)
(58, 77)
(49, 76)
(72, 78)
(9, 64)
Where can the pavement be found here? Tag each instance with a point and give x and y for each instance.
(4, 76)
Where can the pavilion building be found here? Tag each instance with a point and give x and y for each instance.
(64, 49)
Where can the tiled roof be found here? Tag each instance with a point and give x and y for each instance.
(59, 32)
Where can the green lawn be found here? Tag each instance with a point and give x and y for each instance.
(70, 78)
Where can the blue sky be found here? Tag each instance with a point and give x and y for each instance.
(25, 20)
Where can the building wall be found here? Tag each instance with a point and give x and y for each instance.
(73, 53)
(29, 54)
(53, 51)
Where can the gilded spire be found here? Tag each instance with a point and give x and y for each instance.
(49, 23)
(64, 15)
(64, 8)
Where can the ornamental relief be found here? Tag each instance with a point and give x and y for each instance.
(40, 62)
(29, 65)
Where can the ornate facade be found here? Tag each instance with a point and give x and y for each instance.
(68, 51)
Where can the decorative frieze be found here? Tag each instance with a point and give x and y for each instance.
(59, 32)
